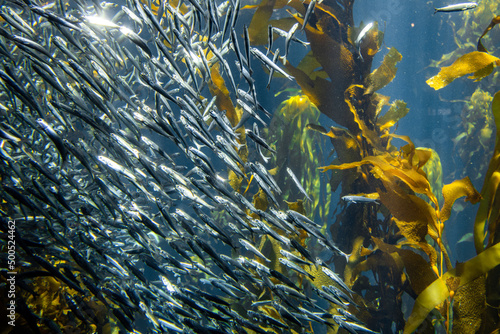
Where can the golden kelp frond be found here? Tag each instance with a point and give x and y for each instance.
(487, 210)
(270, 247)
(347, 165)
(370, 45)
(333, 10)
(473, 62)
(410, 176)
(430, 163)
(455, 190)
(297, 206)
(385, 73)
(218, 88)
(439, 290)
(414, 216)
(155, 5)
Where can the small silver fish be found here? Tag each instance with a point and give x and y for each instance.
(297, 182)
(456, 7)
(359, 199)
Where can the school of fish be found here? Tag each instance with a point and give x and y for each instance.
(114, 160)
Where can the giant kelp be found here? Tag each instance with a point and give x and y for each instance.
(406, 249)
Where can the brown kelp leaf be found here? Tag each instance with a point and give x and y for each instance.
(397, 111)
(347, 165)
(297, 206)
(491, 183)
(234, 180)
(352, 94)
(389, 168)
(337, 61)
(429, 161)
(469, 306)
(260, 200)
(480, 46)
(257, 30)
(270, 247)
(419, 271)
(469, 63)
(414, 216)
(154, 6)
(484, 72)
(385, 73)
(455, 190)
(438, 291)
(413, 231)
(218, 88)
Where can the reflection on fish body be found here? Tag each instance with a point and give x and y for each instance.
(359, 199)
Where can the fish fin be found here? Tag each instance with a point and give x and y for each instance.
(347, 257)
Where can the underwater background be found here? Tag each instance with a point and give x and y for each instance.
(239, 166)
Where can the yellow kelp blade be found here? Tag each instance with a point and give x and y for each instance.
(385, 73)
(413, 178)
(490, 187)
(218, 88)
(397, 111)
(455, 190)
(257, 30)
(469, 63)
(438, 291)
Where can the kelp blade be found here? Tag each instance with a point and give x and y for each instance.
(472, 62)
(490, 186)
(438, 291)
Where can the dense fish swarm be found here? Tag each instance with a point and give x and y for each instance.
(113, 164)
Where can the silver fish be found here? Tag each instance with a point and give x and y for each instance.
(459, 7)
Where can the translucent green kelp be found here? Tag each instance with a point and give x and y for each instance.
(303, 151)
